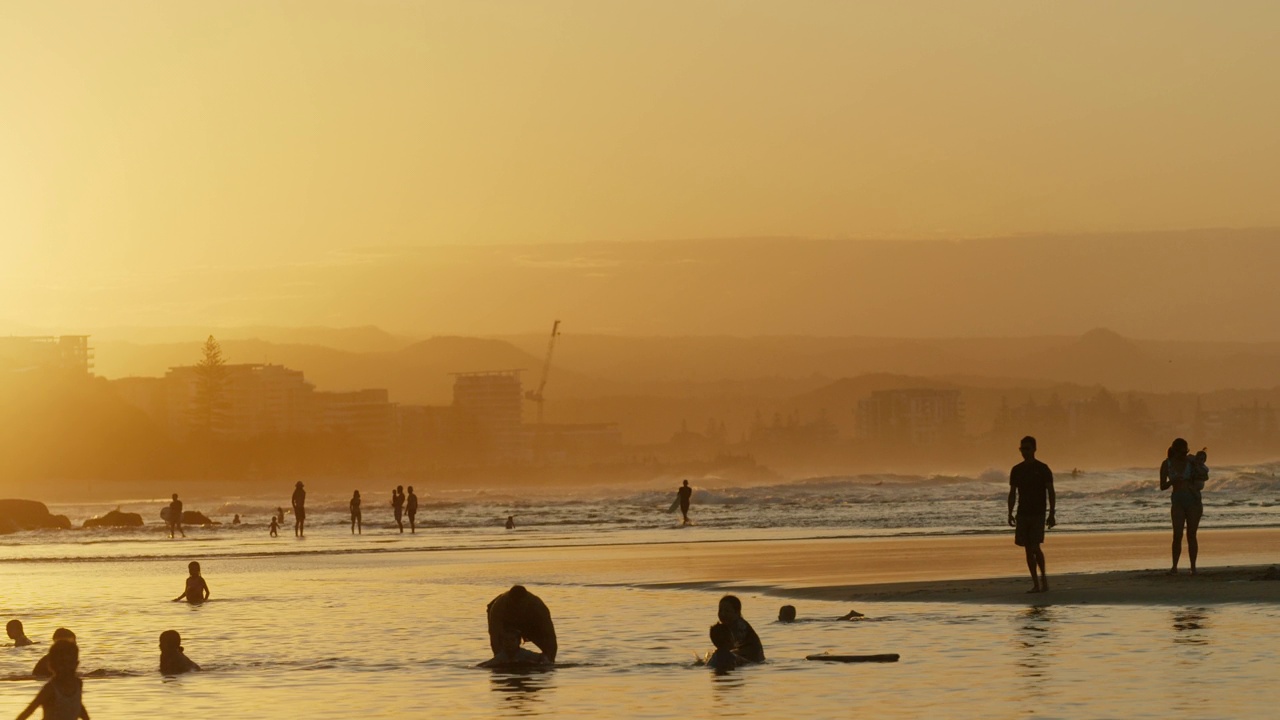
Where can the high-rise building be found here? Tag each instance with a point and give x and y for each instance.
(494, 402)
(70, 353)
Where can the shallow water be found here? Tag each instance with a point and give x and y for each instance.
(390, 634)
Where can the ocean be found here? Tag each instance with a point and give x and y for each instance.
(391, 625)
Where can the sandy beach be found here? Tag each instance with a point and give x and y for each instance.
(1114, 568)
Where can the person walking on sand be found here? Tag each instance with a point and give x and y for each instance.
(1185, 476)
(397, 506)
(683, 496)
(299, 501)
(1030, 484)
(356, 527)
(411, 508)
(175, 516)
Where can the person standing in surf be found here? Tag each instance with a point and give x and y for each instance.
(411, 507)
(683, 496)
(356, 527)
(175, 516)
(397, 506)
(1185, 476)
(299, 501)
(1030, 485)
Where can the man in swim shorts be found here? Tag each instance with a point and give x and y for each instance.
(1030, 484)
(299, 501)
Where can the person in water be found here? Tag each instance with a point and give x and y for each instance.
(411, 509)
(787, 614)
(173, 659)
(299, 501)
(44, 666)
(1185, 476)
(279, 514)
(61, 697)
(17, 634)
(197, 590)
(511, 522)
(274, 527)
(397, 505)
(357, 527)
(515, 616)
(746, 643)
(175, 516)
(1030, 484)
(236, 519)
(684, 495)
(723, 658)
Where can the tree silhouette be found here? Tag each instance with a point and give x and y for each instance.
(209, 408)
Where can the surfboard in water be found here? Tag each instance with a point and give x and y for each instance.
(825, 657)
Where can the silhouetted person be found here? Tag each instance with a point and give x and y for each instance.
(299, 502)
(280, 515)
(511, 522)
(173, 659)
(787, 614)
(746, 643)
(1185, 476)
(518, 615)
(357, 527)
(236, 520)
(274, 527)
(411, 508)
(723, 658)
(197, 590)
(684, 495)
(175, 516)
(44, 666)
(1030, 484)
(397, 505)
(60, 697)
(17, 634)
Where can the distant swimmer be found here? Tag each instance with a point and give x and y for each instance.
(17, 634)
(683, 495)
(397, 505)
(411, 508)
(517, 615)
(236, 520)
(511, 522)
(299, 501)
(356, 527)
(787, 614)
(44, 666)
(746, 643)
(1030, 484)
(173, 658)
(275, 527)
(60, 698)
(175, 516)
(197, 590)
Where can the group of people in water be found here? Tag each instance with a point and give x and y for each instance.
(1033, 504)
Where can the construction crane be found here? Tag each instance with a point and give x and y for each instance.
(536, 395)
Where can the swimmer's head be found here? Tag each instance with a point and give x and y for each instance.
(14, 629)
(730, 608)
(170, 641)
(193, 567)
(63, 634)
(64, 656)
(721, 636)
(787, 613)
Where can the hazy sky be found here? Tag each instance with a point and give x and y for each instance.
(140, 141)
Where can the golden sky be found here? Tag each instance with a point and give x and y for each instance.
(141, 140)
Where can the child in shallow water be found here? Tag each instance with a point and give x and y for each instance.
(173, 661)
(44, 666)
(17, 634)
(197, 589)
(723, 657)
(60, 697)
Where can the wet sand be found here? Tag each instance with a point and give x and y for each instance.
(1112, 568)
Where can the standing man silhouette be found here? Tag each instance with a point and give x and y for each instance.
(397, 505)
(175, 516)
(356, 525)
(1030, 484)
(684, 494)
(299, 509)
(411, 507)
